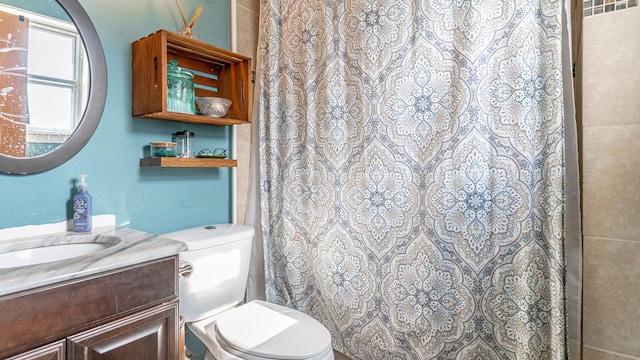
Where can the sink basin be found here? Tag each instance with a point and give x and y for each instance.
(51, 253)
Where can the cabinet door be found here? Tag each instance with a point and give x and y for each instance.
(150, 334)
(53, 351)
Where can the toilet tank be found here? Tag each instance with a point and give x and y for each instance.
(219, 258)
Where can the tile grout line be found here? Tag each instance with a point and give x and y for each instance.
(602, 238)
(612, 352)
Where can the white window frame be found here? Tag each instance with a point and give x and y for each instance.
(79, 88)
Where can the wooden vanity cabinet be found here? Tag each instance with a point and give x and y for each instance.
(131, 313)
(146, 335)
(54, 351)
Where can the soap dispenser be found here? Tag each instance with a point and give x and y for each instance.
(82, 208)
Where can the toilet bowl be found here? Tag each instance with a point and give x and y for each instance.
(213, 276)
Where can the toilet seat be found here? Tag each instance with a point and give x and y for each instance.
(262, 330)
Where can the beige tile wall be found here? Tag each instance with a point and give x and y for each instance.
(611, 186)
(247, 18)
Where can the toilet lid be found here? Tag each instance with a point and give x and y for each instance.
(272, 331)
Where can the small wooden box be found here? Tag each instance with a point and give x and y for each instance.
(218, 72)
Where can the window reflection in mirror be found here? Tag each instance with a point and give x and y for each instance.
(50, 63)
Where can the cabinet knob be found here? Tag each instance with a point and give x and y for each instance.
(185, 270)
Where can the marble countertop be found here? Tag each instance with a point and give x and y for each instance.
(126, 247)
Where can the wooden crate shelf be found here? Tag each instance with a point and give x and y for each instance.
(187, 162)
(218, 72)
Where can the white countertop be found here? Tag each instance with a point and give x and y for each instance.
(132, 247)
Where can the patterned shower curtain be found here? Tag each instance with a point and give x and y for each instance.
(412, 174)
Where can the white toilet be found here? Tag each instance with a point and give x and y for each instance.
(213, 277)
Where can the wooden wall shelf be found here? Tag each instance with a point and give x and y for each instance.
(187, 162)
(193, 119)
(218, 72)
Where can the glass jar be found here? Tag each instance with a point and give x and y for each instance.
(180, 92)
(163, 149)
(185, 141)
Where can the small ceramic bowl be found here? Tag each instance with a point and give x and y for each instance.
(213, 106)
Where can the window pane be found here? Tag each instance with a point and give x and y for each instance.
(46, 48)
(50, 107)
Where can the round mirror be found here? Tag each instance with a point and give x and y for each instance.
(53, 83)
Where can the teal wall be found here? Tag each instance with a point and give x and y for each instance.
(148, 199)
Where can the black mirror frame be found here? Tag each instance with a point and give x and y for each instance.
(93, 111)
